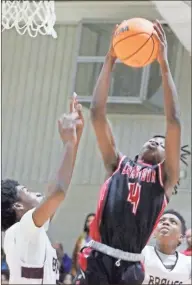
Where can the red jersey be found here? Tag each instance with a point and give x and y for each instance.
(188, 252)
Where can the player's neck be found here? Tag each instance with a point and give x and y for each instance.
(165, 249)
(144, 160)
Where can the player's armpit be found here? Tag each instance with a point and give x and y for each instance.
(28, 227)
(48, 208)
(172, 155)
(105, 141)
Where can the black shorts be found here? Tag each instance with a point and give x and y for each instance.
(100, 269)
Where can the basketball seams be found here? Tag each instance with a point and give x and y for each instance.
(130, 36)
(151, 37)
(139, 47)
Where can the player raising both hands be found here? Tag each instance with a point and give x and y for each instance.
(136, 191)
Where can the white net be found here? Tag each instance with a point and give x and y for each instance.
(34, 17)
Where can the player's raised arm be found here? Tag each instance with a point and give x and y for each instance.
(99, 120)
(171, 107)
(70, 129)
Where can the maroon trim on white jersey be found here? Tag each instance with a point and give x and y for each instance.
(32, 273)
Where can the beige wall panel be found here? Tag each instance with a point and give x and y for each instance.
(36, 82)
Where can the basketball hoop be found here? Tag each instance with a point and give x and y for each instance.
(34, 17)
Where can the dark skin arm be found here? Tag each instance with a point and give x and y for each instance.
(75, 107)
(70, 129)
(171, 108)
(99, 120)
(173, 131)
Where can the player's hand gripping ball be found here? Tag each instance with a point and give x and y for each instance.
(135, 43)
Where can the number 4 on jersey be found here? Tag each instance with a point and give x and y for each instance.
(134, 195)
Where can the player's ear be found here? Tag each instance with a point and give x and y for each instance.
(18, 206)
(19, 209)
(181, 239)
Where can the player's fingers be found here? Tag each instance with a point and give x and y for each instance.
(74, 116)
(62, 118)
(75, 96)
(157, 36)
(158, 33)
(75, 101)
(156, 28)
(67, 120)
(78, 122)
(78, 107)
(72, 103)
(79, 110)
(71, 108)
(160, 28)
(64, 121)
(59, 124)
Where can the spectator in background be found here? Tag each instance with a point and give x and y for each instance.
(5, 277)
(188, 251)
(4, 266)
(67, 279)
(81, 241)
(4, 269)
(65, 262)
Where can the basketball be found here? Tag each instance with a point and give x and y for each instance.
(134, 42)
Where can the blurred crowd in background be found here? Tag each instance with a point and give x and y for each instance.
(68, 265)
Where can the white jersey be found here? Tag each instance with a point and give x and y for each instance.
(157, 274)
(29, 254)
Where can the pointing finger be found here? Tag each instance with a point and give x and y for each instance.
(72, 103)
(79, 111)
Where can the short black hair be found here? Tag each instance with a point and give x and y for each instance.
(8, 198)
(180, 217)
(85, 228)
(159, 136)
